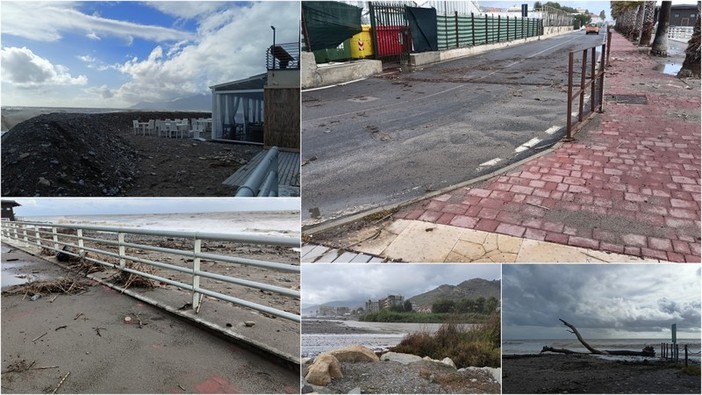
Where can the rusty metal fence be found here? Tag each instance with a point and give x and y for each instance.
(592, 78)
(72, 240)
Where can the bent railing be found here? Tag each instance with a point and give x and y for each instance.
(594, 81)
(263, 180)
(78, 243)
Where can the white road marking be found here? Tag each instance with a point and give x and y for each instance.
(332, 86)
(491, 162)
(552, 130)
(527, 145)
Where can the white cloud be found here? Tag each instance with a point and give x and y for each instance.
(102, 91)
(23, 68)
(47, 21)
(230, 44)
(93, 36)
(187, 9)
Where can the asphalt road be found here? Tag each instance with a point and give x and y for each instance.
(392, 138)
(166, 355)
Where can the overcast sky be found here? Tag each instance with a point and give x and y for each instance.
(322, 283)
(602, 301)
(92, 206)
(115, 54)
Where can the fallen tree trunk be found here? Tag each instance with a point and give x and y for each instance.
(647, 351)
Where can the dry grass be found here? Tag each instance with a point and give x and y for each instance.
(127, 279)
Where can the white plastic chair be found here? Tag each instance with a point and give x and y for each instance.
(135, 126)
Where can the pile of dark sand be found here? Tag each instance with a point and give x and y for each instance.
(70, 154)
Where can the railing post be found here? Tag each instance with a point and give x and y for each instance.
(54, 232)
(602, 77)
(583, 72)
(14, 228)
(122, 250)
(569, 136)
(26, 239)
(609, 42)
(593, 78)
(38, 236)
(197, 248)
(81, 251)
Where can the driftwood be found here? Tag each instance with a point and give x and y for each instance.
(647, 351)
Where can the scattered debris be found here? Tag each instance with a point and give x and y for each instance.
(35, 297)
(77, 315)
(61, 327)
(39, 337)
(54, 298)
(181, 387)
(43, 288)
(19, 366)
(249, 324)
(60, 382)
(97, 330)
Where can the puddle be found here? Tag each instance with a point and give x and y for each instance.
(19, 272)
(669, 68)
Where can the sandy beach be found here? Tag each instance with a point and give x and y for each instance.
(528, 374)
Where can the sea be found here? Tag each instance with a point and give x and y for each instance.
(282, 223)
(391, 335)
(515, 347)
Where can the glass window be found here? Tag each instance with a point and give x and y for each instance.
(676, 15)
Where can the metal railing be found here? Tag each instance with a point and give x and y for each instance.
(594, 81)
(284, 56)
(47, 235)
(680, 33)
(263, 180)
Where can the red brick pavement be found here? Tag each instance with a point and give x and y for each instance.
(630, 185)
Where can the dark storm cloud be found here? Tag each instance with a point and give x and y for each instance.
(631, 298)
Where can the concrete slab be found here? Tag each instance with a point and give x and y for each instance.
(423, 242)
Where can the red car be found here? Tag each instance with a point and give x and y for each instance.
(592, 28)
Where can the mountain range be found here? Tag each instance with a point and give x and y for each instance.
(469, 289)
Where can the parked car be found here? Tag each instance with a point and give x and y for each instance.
(592, 28)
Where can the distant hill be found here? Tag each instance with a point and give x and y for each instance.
(469, 289)
(201, 102)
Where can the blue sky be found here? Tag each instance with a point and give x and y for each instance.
(93, 206)
(116, 54)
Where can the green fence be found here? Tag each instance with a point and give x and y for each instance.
(456, 31)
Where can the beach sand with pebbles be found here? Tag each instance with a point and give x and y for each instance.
(528, 374)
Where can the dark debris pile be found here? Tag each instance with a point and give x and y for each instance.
(70, 154)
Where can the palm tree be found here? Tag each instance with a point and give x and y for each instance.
(647, 29)
(636, 32)
(625, 14)
(691, 65)
(660, 43)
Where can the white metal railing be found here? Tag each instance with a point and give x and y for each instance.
(47, 235)
(680, 33)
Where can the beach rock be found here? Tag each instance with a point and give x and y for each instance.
(355, 354)
(496, 373)
(448, 362)
(323, 370)
(356, 390)
(400, 357)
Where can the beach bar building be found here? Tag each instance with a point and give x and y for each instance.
(8, 206)
(265, 108)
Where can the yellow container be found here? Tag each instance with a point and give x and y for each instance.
(362, 44)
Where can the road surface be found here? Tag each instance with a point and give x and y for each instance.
(392, 138)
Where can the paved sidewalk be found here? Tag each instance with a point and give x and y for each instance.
(629, 183)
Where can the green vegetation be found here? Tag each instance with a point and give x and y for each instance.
(476, 346)
(398, 316)
(477, 306)
(579, 19)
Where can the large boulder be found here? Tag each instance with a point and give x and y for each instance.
(355, 354)
(325, 368)
(400, 357)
